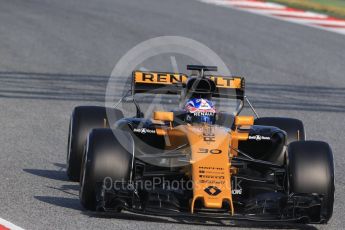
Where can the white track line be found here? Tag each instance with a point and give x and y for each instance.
(342, 31)
(9, 225)
(216, 2)
(318, 22)
(290, 13)
(280, 12)
(256, 4)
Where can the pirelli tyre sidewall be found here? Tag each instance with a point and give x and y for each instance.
(83, 120)
(311, 171)
(106, 159)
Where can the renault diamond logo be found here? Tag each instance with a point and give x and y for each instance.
(212, 190)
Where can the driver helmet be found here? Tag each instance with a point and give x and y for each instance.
(200, 110)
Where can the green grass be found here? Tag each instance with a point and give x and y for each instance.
(334, 8)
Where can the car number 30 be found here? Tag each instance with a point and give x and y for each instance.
(211, 151)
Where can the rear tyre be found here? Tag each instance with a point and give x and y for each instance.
(294, 128)
(106, 156)
(311, 170)
(83, 119)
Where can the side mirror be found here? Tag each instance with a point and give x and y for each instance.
(244, 120)
(163, 116)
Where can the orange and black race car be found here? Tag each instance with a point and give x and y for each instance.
(200, 157)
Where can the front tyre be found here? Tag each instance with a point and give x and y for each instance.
(311, 171)
(106, 156)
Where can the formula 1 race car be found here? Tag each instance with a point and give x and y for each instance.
(199, 158)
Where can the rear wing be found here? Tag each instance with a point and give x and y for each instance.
(158, 82)
(174, 83)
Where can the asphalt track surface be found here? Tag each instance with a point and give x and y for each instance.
(55, 55)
